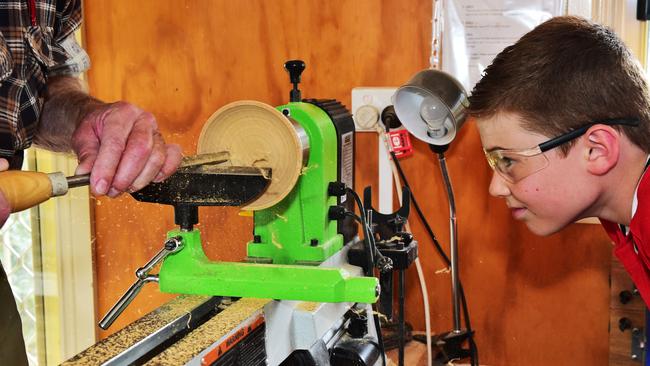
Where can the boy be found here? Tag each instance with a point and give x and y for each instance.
(564, 120)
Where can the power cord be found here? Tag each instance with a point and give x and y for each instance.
(375, 258)
(370, 247)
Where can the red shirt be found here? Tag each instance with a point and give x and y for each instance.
(633, 249)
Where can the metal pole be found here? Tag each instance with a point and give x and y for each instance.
(455, 288)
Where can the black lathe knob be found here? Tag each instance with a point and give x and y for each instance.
(295, 69)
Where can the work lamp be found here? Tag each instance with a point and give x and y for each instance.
(432, 107)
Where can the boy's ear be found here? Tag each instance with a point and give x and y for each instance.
(602, 149)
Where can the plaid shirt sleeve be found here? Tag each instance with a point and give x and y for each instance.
(69, 57)
(36, 42)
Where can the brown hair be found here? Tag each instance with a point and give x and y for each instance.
(563, 74)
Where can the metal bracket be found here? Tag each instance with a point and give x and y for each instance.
(638, 344)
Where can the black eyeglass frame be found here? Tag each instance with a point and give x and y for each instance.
(574, 134)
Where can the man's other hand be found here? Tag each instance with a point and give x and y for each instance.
(120, 146)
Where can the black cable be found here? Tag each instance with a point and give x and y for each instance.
(402, 327)
(375, 315)
(366, 232)
(380, 337)
(355, 216)
(441, 252)
(377, 256)
(438, 247)
(370, 261)
(473, 348)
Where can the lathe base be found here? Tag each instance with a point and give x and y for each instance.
(246, 332)
(202, 330)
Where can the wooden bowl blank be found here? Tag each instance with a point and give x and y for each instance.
(256, 134)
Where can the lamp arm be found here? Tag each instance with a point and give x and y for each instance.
(455, 282)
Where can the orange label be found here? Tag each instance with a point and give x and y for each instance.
(232, 340)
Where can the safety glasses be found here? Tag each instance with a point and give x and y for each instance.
(516, 164)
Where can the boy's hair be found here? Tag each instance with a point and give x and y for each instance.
(562, 75)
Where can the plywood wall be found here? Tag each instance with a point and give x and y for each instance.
(533, 301)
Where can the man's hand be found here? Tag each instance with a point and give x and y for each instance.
(120, 146)
(118, 143)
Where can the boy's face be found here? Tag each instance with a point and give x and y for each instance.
(547, 191)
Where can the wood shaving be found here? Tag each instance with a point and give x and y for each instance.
(211, 331)
(118, 342)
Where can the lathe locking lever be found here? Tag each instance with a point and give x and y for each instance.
(172, 245)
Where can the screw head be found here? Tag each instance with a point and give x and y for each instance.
(174, 243)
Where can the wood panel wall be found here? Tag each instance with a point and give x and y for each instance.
(621, 341)
(533, 301)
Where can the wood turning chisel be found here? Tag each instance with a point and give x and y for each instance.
(25, 189)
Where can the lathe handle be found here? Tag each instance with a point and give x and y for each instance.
(124, 301)
(172, 245)
(24, 189)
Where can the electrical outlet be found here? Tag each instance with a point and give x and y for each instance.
(367, 105)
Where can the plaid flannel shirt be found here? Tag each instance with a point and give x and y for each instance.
(36, 41)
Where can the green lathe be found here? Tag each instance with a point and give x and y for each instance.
(294, 235)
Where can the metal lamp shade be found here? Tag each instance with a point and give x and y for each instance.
(431, 106)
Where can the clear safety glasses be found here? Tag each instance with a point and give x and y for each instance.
(516, 164)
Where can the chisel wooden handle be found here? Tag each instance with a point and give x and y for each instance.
(25, 189)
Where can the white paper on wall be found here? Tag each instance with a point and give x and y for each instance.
(475, 31)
